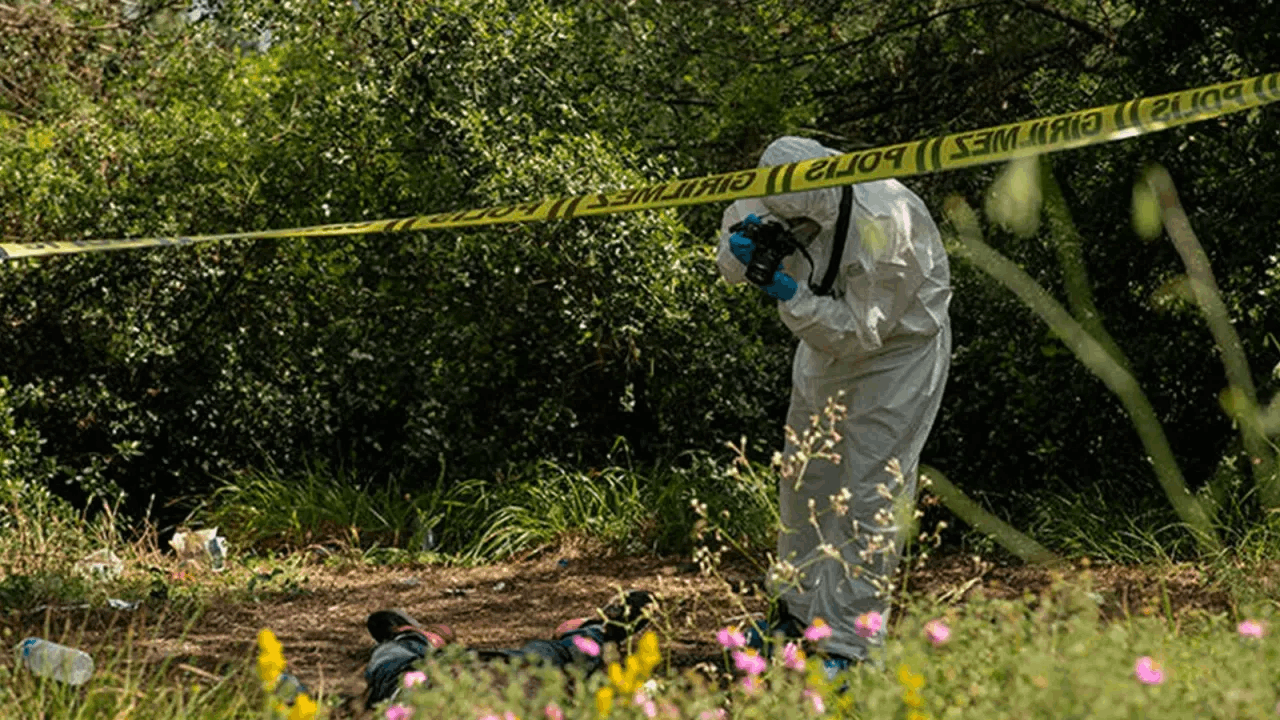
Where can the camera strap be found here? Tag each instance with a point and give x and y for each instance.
(837, 246)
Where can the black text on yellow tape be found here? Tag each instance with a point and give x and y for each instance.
(947, 152)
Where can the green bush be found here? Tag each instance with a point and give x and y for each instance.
(437, 358)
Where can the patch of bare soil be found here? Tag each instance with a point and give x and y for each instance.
(320, 618)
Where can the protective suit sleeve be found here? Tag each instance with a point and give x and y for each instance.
(868, 308)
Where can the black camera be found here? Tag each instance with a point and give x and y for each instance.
(773, 242)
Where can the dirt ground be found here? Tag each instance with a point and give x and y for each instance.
(318, 612)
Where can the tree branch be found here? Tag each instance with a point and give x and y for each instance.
(873, 35)
(1040, 7)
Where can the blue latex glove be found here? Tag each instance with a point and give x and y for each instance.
(740, 245)
(783, 286)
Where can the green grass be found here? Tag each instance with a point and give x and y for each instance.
(121, 688)
(1046, 655)
(532, 507)
(272, 510)
(621, 509)
(41, 538)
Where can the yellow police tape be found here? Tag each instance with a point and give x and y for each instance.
(948, 152)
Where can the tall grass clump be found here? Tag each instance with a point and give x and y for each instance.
(275, 510)
(50, 553)
(544, 504)
(527, 508)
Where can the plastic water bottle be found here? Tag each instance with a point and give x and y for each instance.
(217, 553)
(288, 688)
(59, 662)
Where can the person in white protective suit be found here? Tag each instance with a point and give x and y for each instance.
(882, 336)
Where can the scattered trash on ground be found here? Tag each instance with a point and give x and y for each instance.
(288, 688)
(58, 608)
(201, 546)
(59, 662)
(100, 565)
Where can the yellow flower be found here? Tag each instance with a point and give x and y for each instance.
(911, 684)
(604, 700)
(615, 675)
(627, 680)
(817, 678)
(909, 680)
(304, 708)
(912, 698)
(631, 676)
(270, 659)
(648, 652)
(267, 641)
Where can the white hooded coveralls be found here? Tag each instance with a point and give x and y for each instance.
(884, 338)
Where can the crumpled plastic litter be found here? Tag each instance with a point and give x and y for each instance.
(201, 545)
(100, 565)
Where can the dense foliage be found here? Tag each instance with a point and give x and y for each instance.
(446, 356)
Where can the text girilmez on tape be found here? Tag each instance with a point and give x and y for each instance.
(946, 152)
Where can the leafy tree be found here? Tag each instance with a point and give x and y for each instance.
(446, 355)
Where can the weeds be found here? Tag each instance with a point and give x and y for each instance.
(530, 508)
(275, 510)
(42, 542)
(550, 504)
(1042, 655)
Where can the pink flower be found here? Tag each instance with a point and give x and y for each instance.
(793, 656)
(553, 712)
(868, 624)
(749, 662)
(1148, 671)
(1250, 628)
(646, 705)
(414, 677)
(937, 632)
(399, 712)
(731, 638)
(586, 645)
(751, 684)
(815, 698)
(817, 631)
(717, 714)
(508, 715)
